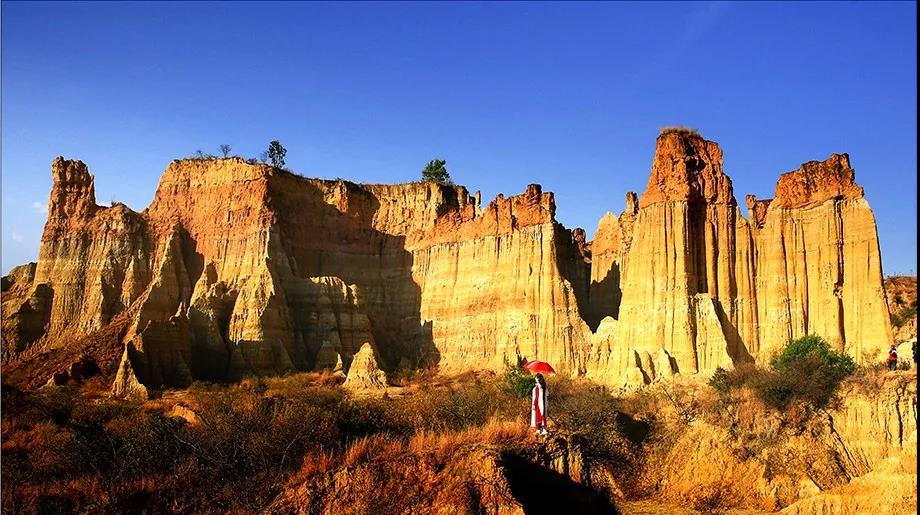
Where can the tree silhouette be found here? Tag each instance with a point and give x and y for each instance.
(276, 154)
(435, 171)
(224, 149)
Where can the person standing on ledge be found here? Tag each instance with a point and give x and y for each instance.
(893, 358)
(538, 405)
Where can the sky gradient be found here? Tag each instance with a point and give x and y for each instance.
(570, 96)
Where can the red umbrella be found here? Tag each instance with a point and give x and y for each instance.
(542, 367)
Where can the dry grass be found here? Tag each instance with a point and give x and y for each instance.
(260, 436)
(499, 433)
(315, 463)
(369, 448)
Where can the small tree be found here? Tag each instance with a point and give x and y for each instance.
(276, 153)
(224, 149)
(806, 370)
(436, 171)
(263, 157)
(199, 154)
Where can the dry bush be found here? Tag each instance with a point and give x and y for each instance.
(294, 384)
(369, 448)
(495, 432)
(409, 377)
(113, 456)
(903, 315)
(679, 129)
(868, 379)
(438, 409)
(316, 462)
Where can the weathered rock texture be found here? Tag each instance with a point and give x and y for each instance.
(239, 269)
(818, 268)
(126, 385)
(901, 291)
(690, 275)
(609, 251)
(857, 458)
(364, 371)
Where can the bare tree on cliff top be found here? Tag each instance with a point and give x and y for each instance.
(435, 171)
(276, 153)
(224, 149)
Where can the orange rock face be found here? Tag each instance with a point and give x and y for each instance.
(819, 269)
(816, 182)
(687, 286)
(712, 289)
(237, 269)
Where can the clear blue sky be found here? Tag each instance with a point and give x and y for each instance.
(570, 96)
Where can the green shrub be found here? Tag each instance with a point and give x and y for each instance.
(720, 381)
(516, 382)
(808, 371)
(838, 363)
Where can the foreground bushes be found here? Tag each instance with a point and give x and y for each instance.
(806, 372)
(65, 452)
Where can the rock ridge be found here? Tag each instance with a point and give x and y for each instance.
(237, 268)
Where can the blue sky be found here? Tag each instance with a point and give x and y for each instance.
(570, 96)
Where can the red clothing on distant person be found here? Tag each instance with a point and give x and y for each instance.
(538, 407)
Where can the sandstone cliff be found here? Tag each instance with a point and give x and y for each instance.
(690, 275)
(687, 285)
(609, 251)
(857, 458)
(239, 269)
(818, 268)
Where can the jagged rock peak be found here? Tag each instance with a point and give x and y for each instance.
(632, 204)
(364, 371)
(73, 194)
(757, 209)
(540, 204)
(20, 276)
(126, 386)
(817, 181)
(687, 167)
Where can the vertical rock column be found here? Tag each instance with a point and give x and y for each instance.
(679, 289)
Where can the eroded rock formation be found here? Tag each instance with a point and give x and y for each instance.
(859, 457)
(713, 288)
(126, 385)
(818, 268)
(239, 268)
(901, 292)
(364, 371)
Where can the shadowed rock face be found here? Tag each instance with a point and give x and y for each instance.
(237, 268)
(609, 252)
